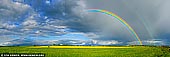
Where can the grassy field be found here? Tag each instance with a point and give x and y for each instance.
(90, 51)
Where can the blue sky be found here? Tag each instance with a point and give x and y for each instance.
(44, 22)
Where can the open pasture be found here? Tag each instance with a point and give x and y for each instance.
(91, 51)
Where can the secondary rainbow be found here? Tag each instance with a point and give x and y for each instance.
(120, 20)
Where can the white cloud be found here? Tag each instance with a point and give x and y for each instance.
(5, 43)
(12, 10)
(106, 42)
(60, 27)
(8, 26)
(148, 42)
(91, 35)
(29, 23)
(47, 2)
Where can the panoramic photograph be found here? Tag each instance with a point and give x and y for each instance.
(84, 28)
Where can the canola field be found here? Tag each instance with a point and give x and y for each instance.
(91, 51)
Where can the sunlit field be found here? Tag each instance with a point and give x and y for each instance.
(91, 51)
(77, 47)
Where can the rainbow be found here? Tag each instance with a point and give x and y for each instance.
(120, 20)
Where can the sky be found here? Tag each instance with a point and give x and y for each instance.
(47, 22)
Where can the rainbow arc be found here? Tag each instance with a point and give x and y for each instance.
(122, 21)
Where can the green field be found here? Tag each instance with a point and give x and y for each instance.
(136, 51)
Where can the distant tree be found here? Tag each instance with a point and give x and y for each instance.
(48, 46)
(54, 44)
(34, 45)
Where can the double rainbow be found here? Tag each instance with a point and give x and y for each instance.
(120, 20)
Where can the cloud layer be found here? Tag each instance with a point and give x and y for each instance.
(23, 21)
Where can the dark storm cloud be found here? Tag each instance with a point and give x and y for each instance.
(148, 18)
